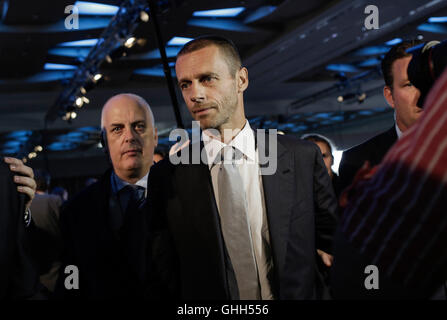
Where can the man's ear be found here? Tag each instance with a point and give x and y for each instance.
(242, 79)
(388, 94)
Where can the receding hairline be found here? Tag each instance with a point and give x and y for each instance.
(141, 102)
(225, 47)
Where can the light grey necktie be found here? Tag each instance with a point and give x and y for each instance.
(235, 226)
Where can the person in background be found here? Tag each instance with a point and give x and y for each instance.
(105, 234)
(46, 237)
(159, 155)
(326, 148)
(224, 230)
(18, 276)
(61, 193)
(402, 96)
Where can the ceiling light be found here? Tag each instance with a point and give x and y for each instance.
(393, 42)
(97, 77)
(437, 19)
(144, 16)
(179, 41)
(97, 9)
(130, 42)
(57, 66)
(220, 13)
(79, 43)
(79, 102)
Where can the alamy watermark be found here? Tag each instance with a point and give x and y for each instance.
(372, 280)
(190, 152)
(72, 279)
(372, 20)
(72, 20)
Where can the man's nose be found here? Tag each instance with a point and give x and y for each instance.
(129, 134)
(197, 93)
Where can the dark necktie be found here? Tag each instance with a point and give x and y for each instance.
(135, 196)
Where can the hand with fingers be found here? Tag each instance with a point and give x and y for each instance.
(24, 178)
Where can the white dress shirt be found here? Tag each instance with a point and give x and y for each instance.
(249, 169)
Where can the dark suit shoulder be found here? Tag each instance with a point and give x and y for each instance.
(87, 198)
(375, 148)
(293, 143)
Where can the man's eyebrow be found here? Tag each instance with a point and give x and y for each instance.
(199, 76)
(206, 74)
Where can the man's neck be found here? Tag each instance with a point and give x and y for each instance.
(132, 179)
(227, 133)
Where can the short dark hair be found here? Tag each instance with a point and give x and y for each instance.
(398, 51)
(226, 47)
(42, 179)
(318, 138)
(160, 151)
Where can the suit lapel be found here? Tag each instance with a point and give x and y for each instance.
(279, 196)
(200, 215)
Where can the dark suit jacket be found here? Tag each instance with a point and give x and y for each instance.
(189, 251)
(111, 263)
(18, 277)
(372, 150)
(46, 239)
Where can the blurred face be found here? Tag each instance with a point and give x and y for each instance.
(130, 137)
(212, 94)
(157, 157)
(327, 156)
(403, 96)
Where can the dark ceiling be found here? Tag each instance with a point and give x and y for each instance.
(301, 56)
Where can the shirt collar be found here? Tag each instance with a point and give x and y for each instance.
(118, 183)
(244, 141)
(398, 131)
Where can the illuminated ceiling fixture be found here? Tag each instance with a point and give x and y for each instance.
(58, 67)
(342, 67)
(437, 19)
(219, 13)
(79, 103)
(130, 42)
(97, 77)
(79, 43)
(95, 9)
(144, 16)
(361, 97)
(393, 42)
(32, 155)
(178, 41)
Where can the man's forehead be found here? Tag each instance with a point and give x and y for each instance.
(400, 65)
(121, 113)
(205, 65)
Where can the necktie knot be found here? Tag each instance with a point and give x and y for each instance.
(228, 155)
(135, 195)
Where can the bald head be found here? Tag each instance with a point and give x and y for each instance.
(131, 136)
(123, 99)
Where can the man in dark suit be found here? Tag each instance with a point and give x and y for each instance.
(46, 239)
(402, 96)
(243, 229)
(18, 277)
(396, 221)
(105, 233)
